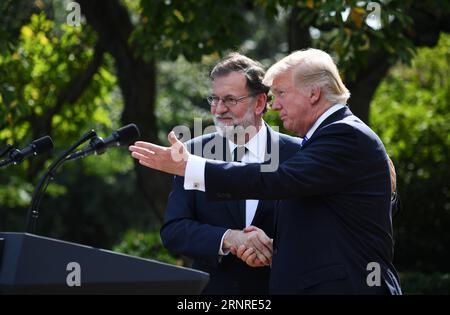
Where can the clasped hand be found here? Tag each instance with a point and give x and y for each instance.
(251, 245)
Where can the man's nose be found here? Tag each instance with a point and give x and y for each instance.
(220, 108)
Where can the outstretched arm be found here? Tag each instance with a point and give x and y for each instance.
(171, 159)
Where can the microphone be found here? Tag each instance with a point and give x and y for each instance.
(122, 136)
(6, 150)
(38, 146)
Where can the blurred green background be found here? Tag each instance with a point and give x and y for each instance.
(147, 62)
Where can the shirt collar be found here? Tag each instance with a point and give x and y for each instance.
(257, 144)
(322, 118)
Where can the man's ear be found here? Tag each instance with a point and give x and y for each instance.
(260, 103)
(314, 93)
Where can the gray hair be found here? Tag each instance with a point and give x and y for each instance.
(312, 66)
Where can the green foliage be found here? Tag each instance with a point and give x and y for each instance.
(33, 75)
(36, 73)
(191, 28)
(265, 37)
(183, 88)
(146, 245)
(411, 113)
(420, 283)
(341, 28)
(14, 14)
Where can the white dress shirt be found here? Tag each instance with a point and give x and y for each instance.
(256, 148)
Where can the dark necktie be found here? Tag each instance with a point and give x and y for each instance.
(238, 154)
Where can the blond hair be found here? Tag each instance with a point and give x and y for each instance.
(312, 66)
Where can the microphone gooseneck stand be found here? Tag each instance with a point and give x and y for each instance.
(8, 149)
(33, 210)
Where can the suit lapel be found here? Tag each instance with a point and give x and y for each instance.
(235, 210)
(260, 211)
(274, 142)
(336, 116)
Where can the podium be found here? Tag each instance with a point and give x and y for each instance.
(32, 264)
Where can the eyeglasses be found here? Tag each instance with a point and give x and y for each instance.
(228, 101)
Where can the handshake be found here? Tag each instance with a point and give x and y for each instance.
(251, 245)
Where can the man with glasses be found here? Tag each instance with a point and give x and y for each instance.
(334, 218)
(205, 231)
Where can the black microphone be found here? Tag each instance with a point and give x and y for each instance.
(122, 136)
(38, 146)
(6, 150)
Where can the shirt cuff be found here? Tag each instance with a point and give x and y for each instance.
(194, 177)
(221, 252)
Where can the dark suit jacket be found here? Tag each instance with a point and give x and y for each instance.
(335, 216)
(194, 226)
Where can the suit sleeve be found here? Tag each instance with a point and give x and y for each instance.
(324, 166)
(183, 234)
